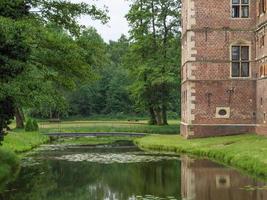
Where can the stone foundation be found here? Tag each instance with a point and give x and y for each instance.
(202, 131)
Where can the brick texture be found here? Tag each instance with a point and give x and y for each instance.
(208, 33)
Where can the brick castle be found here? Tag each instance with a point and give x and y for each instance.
(224, 67)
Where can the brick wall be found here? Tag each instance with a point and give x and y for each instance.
(261, 59)
(241, 102)
(208, 33)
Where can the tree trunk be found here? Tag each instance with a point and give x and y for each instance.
(154, 24)
(164, 114)
(158, 114)
(152, 120)
(19, 118)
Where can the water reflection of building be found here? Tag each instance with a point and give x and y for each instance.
(205, 180)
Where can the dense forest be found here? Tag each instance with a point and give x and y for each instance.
(51, 67)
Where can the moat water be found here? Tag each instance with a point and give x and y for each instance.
(55, 172)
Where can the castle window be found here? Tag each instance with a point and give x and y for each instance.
(262, 40)
(263, 70)
(262, 8)
(240, 8)
(240, 61)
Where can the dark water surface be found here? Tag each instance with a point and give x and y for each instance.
(126, 173)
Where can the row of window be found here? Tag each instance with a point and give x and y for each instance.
(240, 8)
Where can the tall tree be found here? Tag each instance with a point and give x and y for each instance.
(154, 32)
(14, 52)
(22, 42)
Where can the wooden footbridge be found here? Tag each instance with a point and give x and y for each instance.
(114, 134)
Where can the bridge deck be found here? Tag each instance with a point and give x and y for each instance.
(95, 134)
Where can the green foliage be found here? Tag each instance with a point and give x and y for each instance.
(14, 52)
(35, 125)
(31, 125)
(94, 48)
(6, 114)
(109, 93)
(65, 13)
(154, 58)
(38, 56)
(15, 9)
(235, 151)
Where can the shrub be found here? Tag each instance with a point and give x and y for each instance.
(31, 125)
(35, 125)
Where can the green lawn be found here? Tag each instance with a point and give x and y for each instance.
(247, 152)
(109, 126)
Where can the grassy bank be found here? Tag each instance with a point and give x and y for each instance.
(19, 141)
(109, 126)
(246, 152)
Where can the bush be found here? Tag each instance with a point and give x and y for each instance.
(31, 125)
(35, 125)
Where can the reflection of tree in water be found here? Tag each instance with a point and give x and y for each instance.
(32, 183)
(83, 180)
(160, 179)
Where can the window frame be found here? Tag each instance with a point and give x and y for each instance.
(262, 41)
(240, 61)
(261, 7)
(240, 6)
(263, 71)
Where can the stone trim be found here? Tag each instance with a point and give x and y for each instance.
(214, 61)
(204, 30)
(241, 125)
(191, 98)
(212, 80)
(191, 53)
(191, 14)
(227, 110)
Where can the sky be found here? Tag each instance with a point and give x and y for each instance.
(117, 25)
